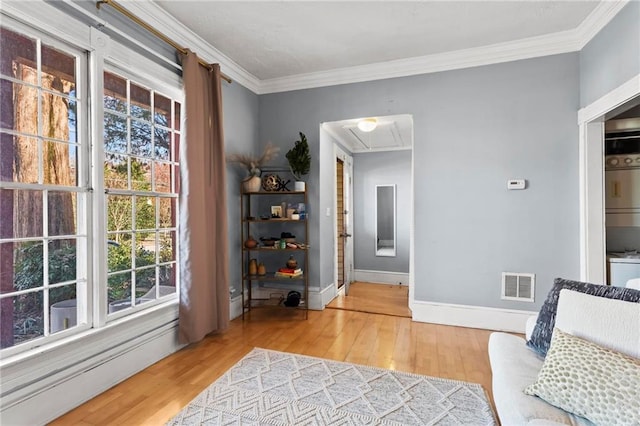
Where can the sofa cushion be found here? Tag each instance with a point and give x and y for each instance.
(590, 381)
(541, 336)
(611, 323)
(514, 367)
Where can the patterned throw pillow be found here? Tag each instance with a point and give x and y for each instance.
(589, 381)
(541, 336)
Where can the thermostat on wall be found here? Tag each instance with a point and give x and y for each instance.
(516, 184)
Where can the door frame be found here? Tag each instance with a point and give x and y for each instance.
(591, 160)
(340, 154)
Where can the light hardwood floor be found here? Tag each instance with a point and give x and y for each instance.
(375, 298)
(156, 394)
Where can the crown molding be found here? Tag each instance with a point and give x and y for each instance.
(157, 17)
(551, 44)
(533, 47)
(597, 20)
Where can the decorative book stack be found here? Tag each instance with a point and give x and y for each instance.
(288, 273)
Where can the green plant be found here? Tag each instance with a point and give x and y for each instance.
(299, 158)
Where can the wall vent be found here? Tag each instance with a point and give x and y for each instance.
(518, 286)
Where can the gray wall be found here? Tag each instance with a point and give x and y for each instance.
(369, 170)
(612, 57)
(474, 129)
(240, 109)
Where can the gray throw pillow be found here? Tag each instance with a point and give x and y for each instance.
(541, 335)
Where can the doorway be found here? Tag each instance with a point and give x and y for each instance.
(366, 163)
(592, 120)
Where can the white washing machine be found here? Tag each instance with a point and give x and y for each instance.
(622, 269)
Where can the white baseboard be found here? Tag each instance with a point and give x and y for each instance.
(382, 277)
(235, 307)
(470, 316)
(318, 299)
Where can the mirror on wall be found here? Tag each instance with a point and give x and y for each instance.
(385, 220)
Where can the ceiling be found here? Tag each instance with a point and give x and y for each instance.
(277, 39)
(392, 133)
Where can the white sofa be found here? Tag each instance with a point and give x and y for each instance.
(515, 366)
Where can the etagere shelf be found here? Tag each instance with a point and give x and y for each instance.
(255, 207)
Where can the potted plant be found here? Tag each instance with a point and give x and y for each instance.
(299, 161)
(252, 166)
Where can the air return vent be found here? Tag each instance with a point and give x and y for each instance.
(518, 286)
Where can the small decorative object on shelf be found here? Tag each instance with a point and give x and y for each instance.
(292, 263)
(262, 270)
(253, 165)
(250, 243)
(253, 267)
(271, 182)
(299, 161)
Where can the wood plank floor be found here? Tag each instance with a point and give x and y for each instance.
(375, 298)
(156, 394)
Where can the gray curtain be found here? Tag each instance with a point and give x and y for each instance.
(204, 295)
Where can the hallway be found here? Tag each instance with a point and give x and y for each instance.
(384, 299)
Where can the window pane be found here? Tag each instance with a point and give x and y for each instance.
(63, 311)
(167, 241)
(56, 118)
(15, 47)
(22, 266)
(146, 252)
(176, 147)
(60, 68)
(25, 116)
(116, 172)
(167, 276)
(119, 212)
(115, 93)
(140, 174)
(25, 153)
(162, 108)
(162, 141)
(28, 321)
(119, 288)
(60, 164)
(177, 116)
(62, 261)
(163, 177)
(62, 210)
(145, 280)
(115, 133)
(140, 102)
(145, 213)
(140, 138)
(119, 252)
(167, 212)
(24, 225)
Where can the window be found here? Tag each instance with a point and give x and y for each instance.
(141, 141)
(51, 199)
(43, 235)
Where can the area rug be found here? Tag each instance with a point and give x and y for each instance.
(276, 388)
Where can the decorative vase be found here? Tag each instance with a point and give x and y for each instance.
(299, 186)
(292, 263)
(250, 243)
(253, 267)
(262, 270)
(251, 184)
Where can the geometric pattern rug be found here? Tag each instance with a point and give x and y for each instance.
(276, 388)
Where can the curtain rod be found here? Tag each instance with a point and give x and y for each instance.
(155, 32)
